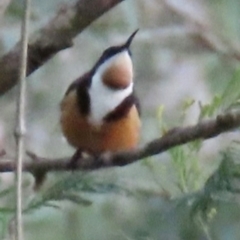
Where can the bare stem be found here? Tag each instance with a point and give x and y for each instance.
(21, 128)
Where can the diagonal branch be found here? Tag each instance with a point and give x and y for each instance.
(57, 35)
(174, 137)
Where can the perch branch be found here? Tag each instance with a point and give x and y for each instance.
(56, 35)
(174, 137)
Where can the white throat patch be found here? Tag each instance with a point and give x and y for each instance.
(104, 99)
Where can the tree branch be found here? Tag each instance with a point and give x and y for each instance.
(57, 35)
(174, 137)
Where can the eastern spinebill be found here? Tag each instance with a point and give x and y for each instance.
(100, 112)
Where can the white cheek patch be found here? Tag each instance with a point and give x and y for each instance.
(104, 100)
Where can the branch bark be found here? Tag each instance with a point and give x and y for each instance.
(174, 137)
(57, 35)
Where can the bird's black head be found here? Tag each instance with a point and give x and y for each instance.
(112, 51)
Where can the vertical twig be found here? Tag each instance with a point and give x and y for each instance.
(20, 126)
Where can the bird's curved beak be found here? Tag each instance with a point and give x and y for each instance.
(129, 40)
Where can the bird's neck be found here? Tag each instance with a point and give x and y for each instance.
(104, 99)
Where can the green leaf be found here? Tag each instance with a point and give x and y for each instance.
(75, 198)
(71, 188)
(208, 110)
(223, 180)
(231, 94)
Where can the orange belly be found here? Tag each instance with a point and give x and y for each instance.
(118, 135)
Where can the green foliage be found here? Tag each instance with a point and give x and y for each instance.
(209, 110)
(71, 188)
(186, 164)
(222, 185)
(185, 158)
(5, 212)
(231, 95)
(220, 188)
(229, 99)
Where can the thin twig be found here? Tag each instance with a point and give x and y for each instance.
(21, 128)
(174, 137)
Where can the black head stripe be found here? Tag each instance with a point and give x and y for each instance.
(110, 52)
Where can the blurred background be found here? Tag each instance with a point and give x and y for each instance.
(185, 59)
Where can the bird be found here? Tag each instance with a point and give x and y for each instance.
(100, 111)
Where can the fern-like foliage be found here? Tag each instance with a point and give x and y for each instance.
(221, 186)
(72, 187)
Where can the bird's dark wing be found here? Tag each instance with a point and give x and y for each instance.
(81, 86)
(83, 81)
(137, 103)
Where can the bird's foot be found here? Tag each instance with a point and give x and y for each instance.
(72, 164)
